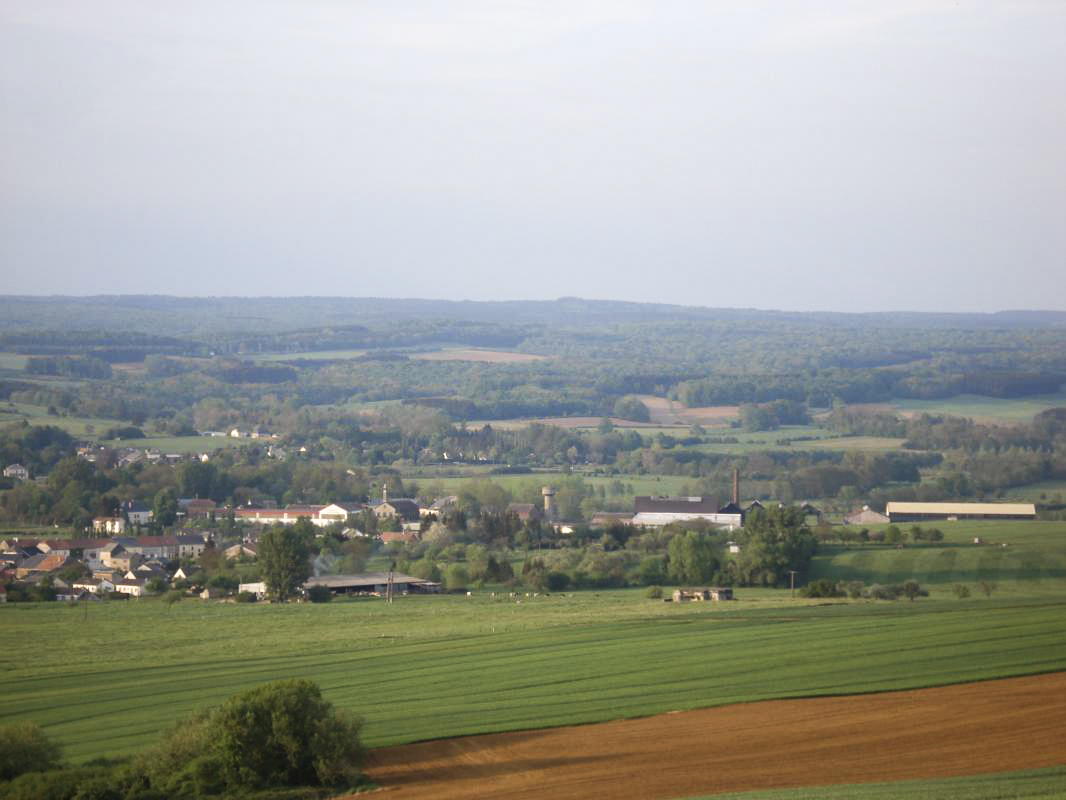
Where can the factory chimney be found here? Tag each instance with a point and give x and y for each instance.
(736, 487)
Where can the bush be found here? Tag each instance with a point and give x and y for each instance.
(280, 734)
(654, 593)
(961, 590)
(246, 597)
(24, 747)
(557, 582)
(853, 588)
(317, 594)
(285, 734)
(912, 589)
(80, 783)
(823, 587)
(878, 592)
(456, 577)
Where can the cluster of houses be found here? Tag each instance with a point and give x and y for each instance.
(123, 565)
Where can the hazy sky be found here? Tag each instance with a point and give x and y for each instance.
(814, 155)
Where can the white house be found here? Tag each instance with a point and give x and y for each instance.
(16, 472)
(131, 586)
(137, 513)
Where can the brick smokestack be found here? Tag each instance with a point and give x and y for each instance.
(736, 486)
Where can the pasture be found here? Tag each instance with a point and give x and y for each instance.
(104, 679)
(1032, 564)
(185, 444)
(38, 415)
(991, 410)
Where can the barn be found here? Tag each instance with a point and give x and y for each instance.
(373, 583)
(922, 512)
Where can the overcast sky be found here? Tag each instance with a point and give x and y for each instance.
(817, 155)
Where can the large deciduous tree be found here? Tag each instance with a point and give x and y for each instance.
(773, 542)
(285, 560)
(692, 558)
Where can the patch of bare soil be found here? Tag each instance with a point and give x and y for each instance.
(995, 726)
(665, 411)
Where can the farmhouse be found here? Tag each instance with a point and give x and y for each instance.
(921, 512)
(195, 508)
(441, 506)
(163, 547)
(242, 549)
(402, 508)
(137, 513)
(190, 545)
(16, 472)
(45, 562)
(526, 512)
(373, 583)
(657, 511)
(131, 586)
(399, 536)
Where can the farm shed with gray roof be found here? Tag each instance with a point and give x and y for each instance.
(373, 583)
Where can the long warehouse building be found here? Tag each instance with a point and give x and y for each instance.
(921, 512)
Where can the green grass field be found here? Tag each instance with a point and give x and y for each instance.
(1033, 564)
(38, 415)
(1035, 783)
(105, 679)
(985, 409)
(642, 484)
(184, 444)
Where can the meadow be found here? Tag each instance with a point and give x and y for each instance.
(1023, 559)
(1002, 411)
(38, 415)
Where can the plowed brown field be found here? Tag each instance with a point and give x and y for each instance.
(995, 726)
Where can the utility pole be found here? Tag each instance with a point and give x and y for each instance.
(792, 582)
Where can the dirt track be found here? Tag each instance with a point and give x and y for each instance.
(1019, 723)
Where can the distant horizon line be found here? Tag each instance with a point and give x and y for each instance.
(562, 299)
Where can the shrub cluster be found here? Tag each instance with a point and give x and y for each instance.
(281, 740)
(857, 590)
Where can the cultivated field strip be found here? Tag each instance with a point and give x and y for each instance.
(483, 666)
(956, 730)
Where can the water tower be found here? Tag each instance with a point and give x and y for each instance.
(549, 501)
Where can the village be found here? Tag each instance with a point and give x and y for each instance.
(122, 561)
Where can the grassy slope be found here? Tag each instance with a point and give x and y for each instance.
(107, 679)
(1033, 563)
(1036, 783)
